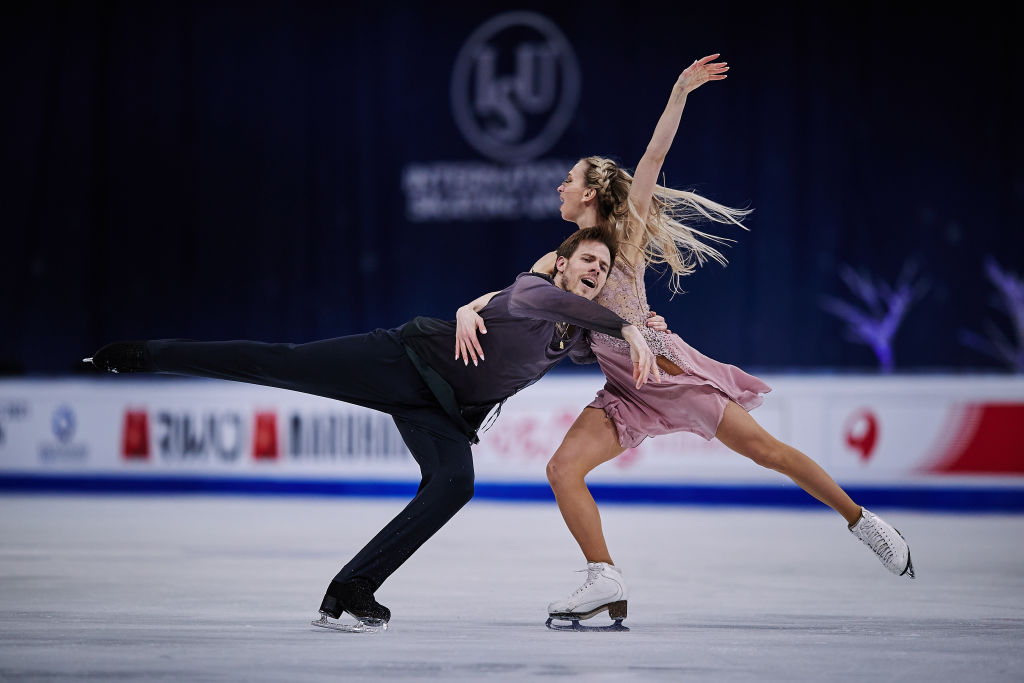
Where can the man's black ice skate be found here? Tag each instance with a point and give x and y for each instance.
(356, 598)
(121, 357)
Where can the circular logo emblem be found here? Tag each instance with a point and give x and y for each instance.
(515, 86)
(63, 423)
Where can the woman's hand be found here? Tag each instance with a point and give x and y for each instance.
(467, 323)
(656, 322)
(700, 72)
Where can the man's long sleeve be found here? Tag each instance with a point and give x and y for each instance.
(534, 296)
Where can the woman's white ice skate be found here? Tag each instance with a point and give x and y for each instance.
(885, 541)
(604, 589)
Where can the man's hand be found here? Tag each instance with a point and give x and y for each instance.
(467, 323)
(645, 363)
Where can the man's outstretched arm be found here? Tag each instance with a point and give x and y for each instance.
(536, 297)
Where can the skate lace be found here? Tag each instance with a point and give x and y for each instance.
(879, 544)
(592, 574)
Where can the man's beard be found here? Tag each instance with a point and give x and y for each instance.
(560, 282)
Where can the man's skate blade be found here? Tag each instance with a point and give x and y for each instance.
(575, 625)
(361, 626)
(909, 571)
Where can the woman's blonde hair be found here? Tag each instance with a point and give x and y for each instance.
(667, 237)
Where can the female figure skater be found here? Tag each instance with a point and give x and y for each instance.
(695, 393)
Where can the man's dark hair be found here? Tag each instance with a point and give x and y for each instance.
(572, 243)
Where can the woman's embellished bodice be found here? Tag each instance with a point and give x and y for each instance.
(625, 295)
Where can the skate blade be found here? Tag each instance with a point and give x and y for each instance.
(909, 571)
(361, 626)
(88, 361)
(575, 625)
(615, 610)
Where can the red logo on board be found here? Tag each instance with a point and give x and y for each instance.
(862, 433)
(264, 437)
(135, 435)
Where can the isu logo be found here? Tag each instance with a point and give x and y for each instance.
(515, 86)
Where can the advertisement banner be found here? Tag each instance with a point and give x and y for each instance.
(877, 432)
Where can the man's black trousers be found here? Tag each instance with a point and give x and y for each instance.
(370, 370)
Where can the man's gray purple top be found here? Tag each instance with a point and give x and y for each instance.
(521, 343)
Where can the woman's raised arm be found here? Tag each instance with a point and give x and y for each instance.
(649, 168)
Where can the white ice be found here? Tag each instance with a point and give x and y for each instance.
(224, 589)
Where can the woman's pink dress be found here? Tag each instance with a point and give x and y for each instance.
(693, 401)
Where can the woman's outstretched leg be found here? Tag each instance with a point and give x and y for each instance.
(740, 432)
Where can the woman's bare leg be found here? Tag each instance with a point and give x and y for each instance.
(740, 432)
(591, 440)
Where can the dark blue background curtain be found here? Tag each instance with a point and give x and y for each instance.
(235, 170)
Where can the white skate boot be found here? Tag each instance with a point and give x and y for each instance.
(887, 543)
(603, 590)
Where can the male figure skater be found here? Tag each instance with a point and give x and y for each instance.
(437, 402)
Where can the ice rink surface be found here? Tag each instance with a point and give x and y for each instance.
(224, 589)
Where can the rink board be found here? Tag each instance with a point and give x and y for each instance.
(926, 442)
